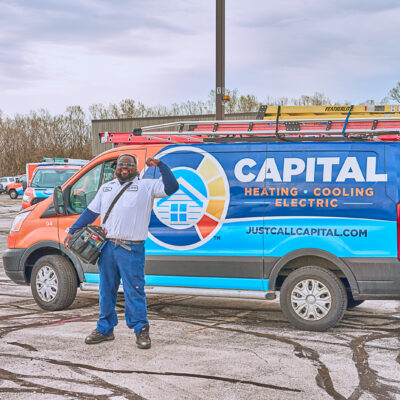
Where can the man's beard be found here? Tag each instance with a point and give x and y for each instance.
(126, 178)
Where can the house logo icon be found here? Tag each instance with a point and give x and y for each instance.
(185, 207)
(193, 215)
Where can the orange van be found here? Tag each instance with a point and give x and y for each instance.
(16, 188)
(36, 254)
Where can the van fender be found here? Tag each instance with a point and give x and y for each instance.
(60, 249)
(317, 253)
(77, 263)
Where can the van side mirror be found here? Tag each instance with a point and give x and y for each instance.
(58, 201)
(24, 185)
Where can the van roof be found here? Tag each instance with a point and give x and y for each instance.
(58, 167)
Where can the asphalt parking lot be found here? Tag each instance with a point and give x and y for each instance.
(203, 348)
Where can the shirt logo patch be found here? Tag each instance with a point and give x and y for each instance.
(134, 188)
(107, 189)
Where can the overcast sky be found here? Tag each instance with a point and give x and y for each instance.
(57, 53)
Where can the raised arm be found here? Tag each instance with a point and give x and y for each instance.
(171, 185)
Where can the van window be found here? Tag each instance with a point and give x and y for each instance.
(108, 171)
(50, 178)
(84, 189)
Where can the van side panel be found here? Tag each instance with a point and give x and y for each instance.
(340, 203)
(199, 234)
(274, 199)
(335, 202)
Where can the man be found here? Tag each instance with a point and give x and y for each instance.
(123, 255)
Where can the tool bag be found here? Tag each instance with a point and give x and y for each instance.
(87, 243)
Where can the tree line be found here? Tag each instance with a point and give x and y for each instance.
(29, 138)
(238, 103)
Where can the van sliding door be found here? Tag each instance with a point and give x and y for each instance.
(206, 234)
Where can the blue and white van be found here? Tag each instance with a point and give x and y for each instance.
(318, 222)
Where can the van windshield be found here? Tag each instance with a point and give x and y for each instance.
(50, 178)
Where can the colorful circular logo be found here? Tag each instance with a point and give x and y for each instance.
(191, 216)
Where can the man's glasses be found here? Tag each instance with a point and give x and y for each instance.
(126, 164)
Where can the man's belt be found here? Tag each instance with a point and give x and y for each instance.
(125, 243)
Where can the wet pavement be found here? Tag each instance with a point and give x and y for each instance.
(203, 348)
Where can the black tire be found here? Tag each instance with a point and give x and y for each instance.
(324, 280)
(13, 194)
(57, 272)
(351, 302)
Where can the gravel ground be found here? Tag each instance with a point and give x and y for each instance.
(203, 348)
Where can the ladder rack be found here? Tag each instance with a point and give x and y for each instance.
(298, 130)
(276, 123)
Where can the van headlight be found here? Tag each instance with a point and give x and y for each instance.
(26, 198)
(18, 221)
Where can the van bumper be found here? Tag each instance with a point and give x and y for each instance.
(12, 265)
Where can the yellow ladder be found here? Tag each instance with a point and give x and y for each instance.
(331, 112)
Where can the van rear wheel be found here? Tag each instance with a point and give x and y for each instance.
(313, 298)
(53, 283)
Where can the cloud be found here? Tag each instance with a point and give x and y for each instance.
(57, 53)
(133, 31)
(340, 48)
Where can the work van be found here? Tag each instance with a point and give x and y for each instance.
(16, 188)
(5, 181)
(43, 177)
(317, 221)
(44, 180)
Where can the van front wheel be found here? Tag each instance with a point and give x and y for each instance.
(313, 298)
(53, 283)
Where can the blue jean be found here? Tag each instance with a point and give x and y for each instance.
(115, 263)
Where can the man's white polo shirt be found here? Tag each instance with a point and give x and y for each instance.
(130, 217)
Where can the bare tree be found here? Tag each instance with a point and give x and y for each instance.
(394, 93)
(317, 99)
(29, 138)
(98, 111)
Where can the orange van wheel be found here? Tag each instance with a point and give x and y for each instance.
(53, 283)
(13, 194)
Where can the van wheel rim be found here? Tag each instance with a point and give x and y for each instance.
(46, 283)
(311, 300)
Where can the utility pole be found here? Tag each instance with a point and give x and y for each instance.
(220, 61)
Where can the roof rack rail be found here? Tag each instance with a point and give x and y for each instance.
(278, 123)
(300, 130)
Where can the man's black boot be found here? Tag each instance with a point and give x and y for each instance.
(97, 337)
(143, 340)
